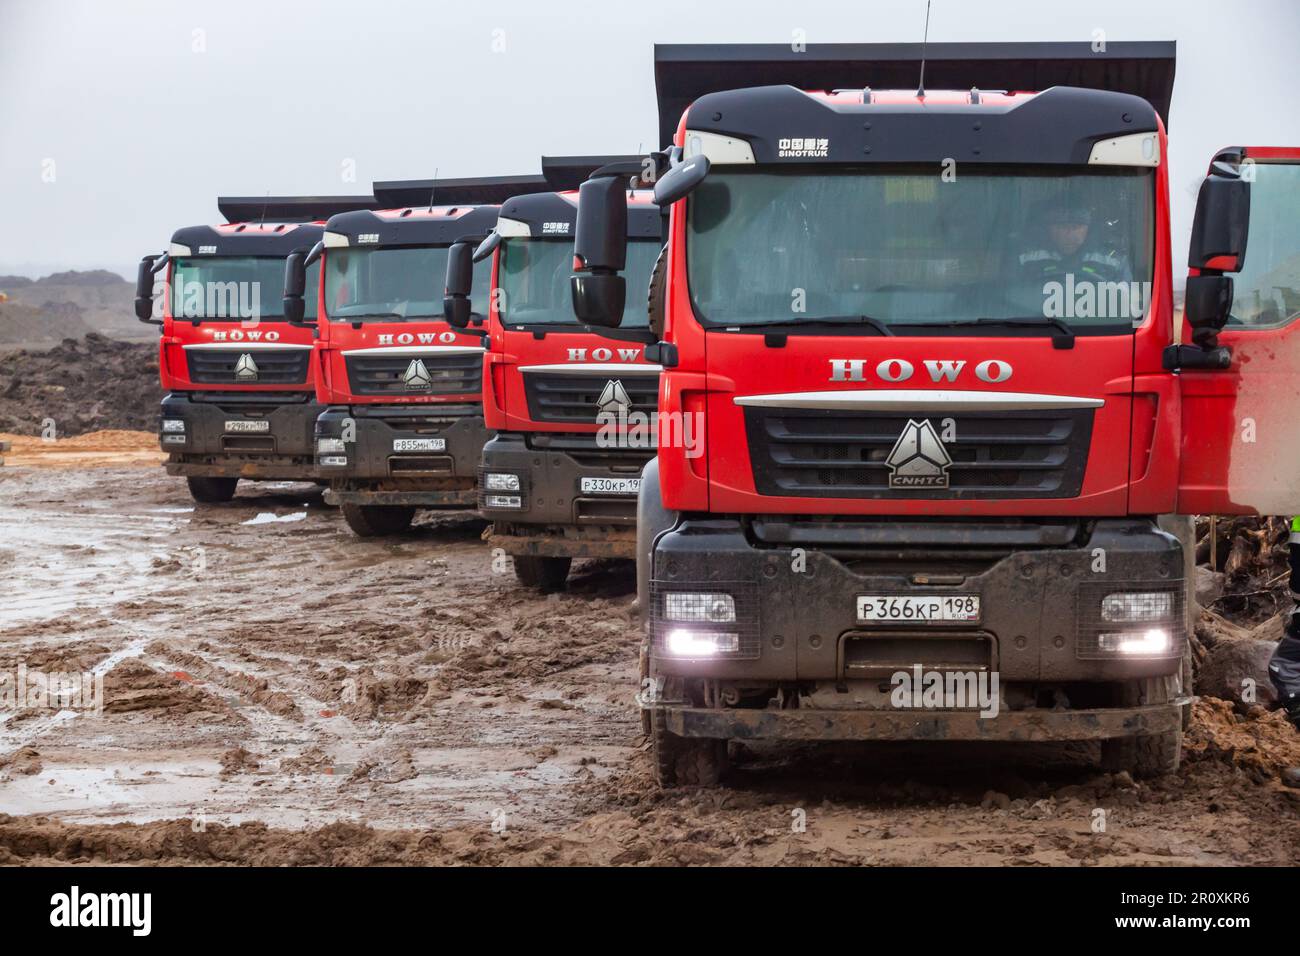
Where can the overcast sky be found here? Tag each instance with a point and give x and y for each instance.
(121, 121)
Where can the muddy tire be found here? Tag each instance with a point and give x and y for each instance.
(212, 490)
(372, 521)
(542, 572)
(1146, 757)
(686, 761)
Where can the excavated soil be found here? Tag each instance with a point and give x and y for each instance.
(277, 691)
(80, 385)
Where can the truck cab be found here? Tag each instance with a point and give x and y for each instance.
(573, 412)
(401, 420)
(240, 400)
(949, 419)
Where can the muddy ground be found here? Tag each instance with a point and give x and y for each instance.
(278, 691)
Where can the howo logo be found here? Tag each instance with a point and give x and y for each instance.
(614, 399)
(603, 354)
(918, 459)
(246, 368)
(896, 370)
(416, 378)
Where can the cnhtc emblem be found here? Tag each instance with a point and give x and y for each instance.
(416, 377)
(613, 399)
(246, 368)
(918, 459)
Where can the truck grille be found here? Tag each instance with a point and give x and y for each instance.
(575, 398)
(273, 367)
(388, 374)
(825, 454)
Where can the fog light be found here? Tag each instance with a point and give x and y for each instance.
(1137, 606)
(173, 424)
(1152, 643)
(334, 461)
(330, 445)
(503, 501)
(682, 642)
(501, 482)
(174, 439)
(710, 608)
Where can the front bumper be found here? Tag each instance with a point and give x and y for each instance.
(555, 516)
(796, 603)
(1027, 726)
(424, 456)
(211, 444)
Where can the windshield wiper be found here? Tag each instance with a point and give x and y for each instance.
(1062, 333)
(803, 325)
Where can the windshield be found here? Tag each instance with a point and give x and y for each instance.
(393, 283)
(935, 246)
(233, 287)
(534, 278)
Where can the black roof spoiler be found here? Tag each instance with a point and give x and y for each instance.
(564, 173)
(684, 72)
(475, 191)
(288, 208)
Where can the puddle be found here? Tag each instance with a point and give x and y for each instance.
(270, 517)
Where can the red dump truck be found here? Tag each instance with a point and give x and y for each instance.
(240, 399)
(929, 338)
(573, 412)
(401, 419)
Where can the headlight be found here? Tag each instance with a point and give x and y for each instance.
(503, 501)
(1151, 643)
(173, 424)
(1137, 606)
(334, 461)
(501, 482)
(683, 642)
(699, 608)
(174, 439)
(328, 445)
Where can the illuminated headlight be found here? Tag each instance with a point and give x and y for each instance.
(174, 439)
(503, 501)
(1137, 606)
(173, 424)
(326, 446)
(1151, 643)
(699, 608)
(500, 482)
(334, 461)
(683, 642)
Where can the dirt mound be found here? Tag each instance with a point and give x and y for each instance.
(81, 386)
(1260, 742)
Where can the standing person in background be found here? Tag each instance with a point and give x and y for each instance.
(1284, 667)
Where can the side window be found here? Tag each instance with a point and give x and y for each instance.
(1266, 292)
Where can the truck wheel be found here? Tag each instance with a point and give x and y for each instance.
(686, 761)
(369, 521)
(544, 573)
(1152, 756)
(212, 490)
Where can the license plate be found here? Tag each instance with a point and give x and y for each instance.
(918, 609)
(248, 426)
(611, 486)
(419, 444)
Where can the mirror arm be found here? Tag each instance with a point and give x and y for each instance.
(316, 252)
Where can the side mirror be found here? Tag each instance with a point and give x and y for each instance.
(295, 287)
(680, 181)
(487, 246)
(1206, 307)
(459, 284)
(600, 252)
(1221, 223)
(144, 288)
